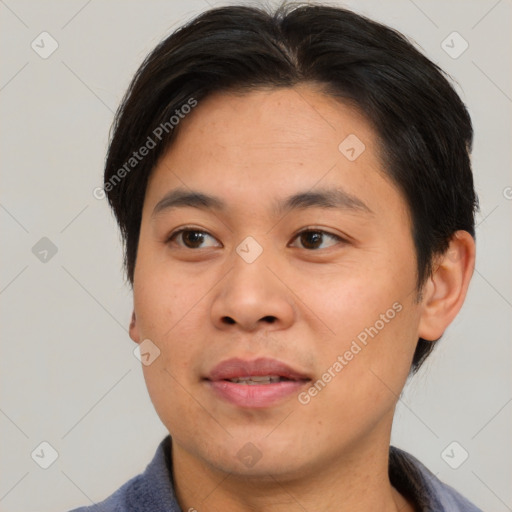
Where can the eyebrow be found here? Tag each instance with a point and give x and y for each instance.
(332, 198)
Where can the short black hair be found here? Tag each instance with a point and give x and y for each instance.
(423, 127)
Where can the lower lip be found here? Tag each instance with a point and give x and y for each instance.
(255, 395)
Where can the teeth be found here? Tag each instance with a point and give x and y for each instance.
(267, 379)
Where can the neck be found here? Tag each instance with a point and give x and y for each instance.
(355, 481)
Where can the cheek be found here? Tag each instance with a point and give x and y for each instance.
(378, 297)
(368, 379)
(171, 399)
(163, 298)
(373, 323)
(168, 313)
(349, 302)
(170, 321)
(377, 357)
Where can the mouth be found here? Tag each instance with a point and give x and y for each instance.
(258, 383)
(255, 380)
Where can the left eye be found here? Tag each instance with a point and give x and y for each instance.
(191, 238)
(312, 238)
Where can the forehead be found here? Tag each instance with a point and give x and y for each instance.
(292, 122)
(271, 143)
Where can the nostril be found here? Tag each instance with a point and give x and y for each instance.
(269, 318)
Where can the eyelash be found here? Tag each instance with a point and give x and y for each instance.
(175, 234)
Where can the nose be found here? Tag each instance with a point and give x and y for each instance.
(252, 297)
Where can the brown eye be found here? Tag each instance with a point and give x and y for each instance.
(313, 239)
(190, 238)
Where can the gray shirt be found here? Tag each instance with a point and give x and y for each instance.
(152, 490)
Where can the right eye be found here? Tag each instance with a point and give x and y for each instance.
(190, 238)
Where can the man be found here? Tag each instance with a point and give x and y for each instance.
(296, 198)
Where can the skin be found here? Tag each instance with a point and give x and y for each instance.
(251, 150)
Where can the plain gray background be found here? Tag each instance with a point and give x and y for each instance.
(68, 373)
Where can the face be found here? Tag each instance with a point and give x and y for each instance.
(300, 267)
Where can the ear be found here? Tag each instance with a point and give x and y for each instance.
(134, 330)
(444, 292)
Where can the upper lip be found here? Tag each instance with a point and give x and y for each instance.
(236, 368)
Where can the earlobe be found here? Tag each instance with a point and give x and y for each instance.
(445, 290)
(134, 331)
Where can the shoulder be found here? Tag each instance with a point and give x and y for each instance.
(119, 501)
(152, 490)
(413, 479)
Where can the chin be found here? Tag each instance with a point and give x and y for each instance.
(258, 457)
